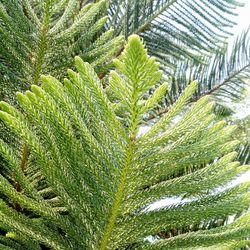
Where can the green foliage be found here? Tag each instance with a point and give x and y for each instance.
(44, 37)
(98, 178)
(243, 132)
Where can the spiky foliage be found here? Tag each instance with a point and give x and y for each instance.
(97, 177)
(45, 36)
(244, 133)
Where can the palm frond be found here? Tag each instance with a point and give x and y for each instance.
(224, 77)
(244, 153)
(175, 29)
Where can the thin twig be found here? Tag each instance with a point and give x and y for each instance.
(209, 92)
(23, 164)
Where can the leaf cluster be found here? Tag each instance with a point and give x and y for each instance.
(98, 178)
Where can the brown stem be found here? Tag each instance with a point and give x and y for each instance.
(25, 12)
(81, 4)
(159, 113)
(23, 164)
(103, 74)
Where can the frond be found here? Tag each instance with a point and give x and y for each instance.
(224, 77)
(175, 30)
(244, 153)
(101, 178)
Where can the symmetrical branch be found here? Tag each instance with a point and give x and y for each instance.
(101, 178)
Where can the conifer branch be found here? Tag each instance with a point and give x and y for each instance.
(50, 44)
(119, 196)
(101, 178)
(42, 46)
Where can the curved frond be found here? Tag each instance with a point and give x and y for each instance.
(174, 29)
(224, 77)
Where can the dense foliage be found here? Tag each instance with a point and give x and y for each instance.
(90, 178)
(40, 37)
(77, 170)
